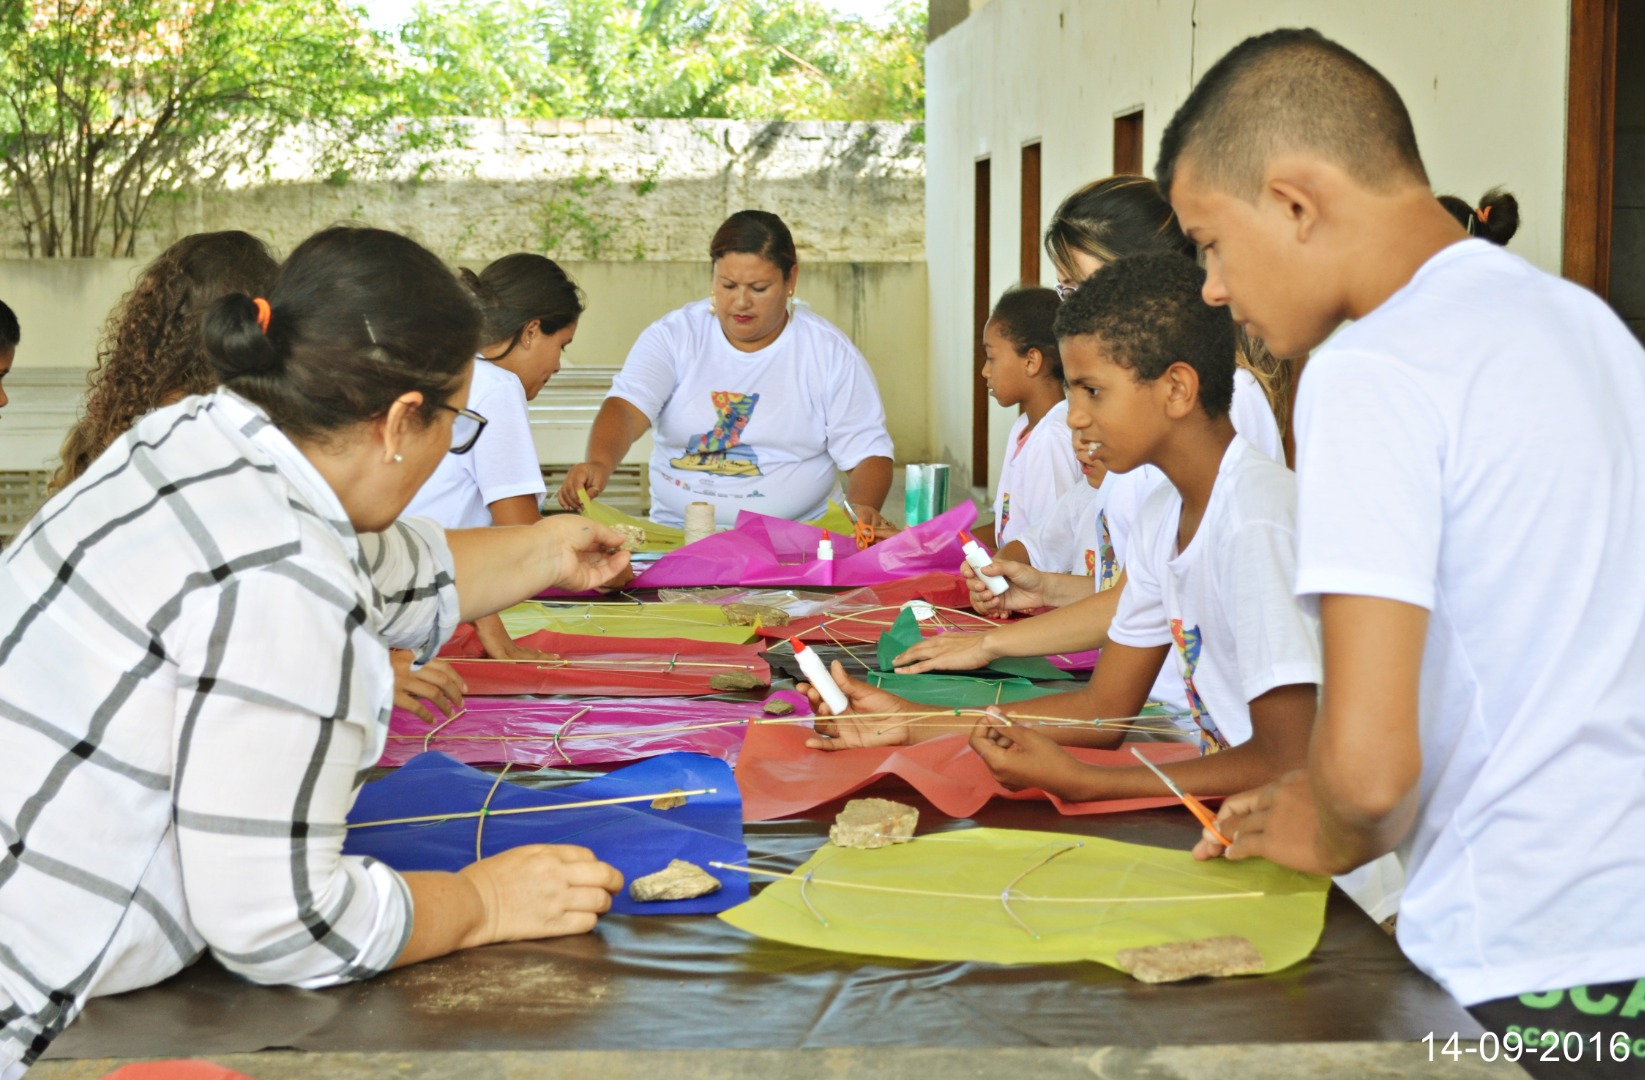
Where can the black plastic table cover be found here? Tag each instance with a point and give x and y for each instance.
(698, 983)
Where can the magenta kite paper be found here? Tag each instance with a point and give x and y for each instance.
(581, 731)
(761, 550)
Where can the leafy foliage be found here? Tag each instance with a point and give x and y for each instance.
(107, 106)
(736, 59)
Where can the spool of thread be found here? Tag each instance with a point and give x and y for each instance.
(699, 521)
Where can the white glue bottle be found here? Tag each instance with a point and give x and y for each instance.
(825, 554)
(815, 671)
(978, 558)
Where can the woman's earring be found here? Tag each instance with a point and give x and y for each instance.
(399, 458)
(791, 305)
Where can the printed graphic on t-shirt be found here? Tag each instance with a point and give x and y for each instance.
(1005, 514)
(1091, 562)
(1110, 564)
(721, 451)
(1188, 644)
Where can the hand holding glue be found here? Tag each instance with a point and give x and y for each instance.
(817, 672)
(978, 558)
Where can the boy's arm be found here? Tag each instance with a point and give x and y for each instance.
(1280, 720)
(1080, 625)
(1358, 797)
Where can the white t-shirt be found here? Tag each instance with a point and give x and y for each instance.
(503, 463)
(1038, 470)
(1225, 602)
(1475, 447)
(767, 431)
(1067, 541)
(1253, 417)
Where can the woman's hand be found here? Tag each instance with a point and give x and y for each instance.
(1025, 592)
(1020, 757)
(539, 891)
(589, 476)
(849, 731)
(951, 651)
(584, 554)
(435, 682)
(875, 520)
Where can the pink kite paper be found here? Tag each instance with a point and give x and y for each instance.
(761, 550)
(780, 776)
(545, 734)
(945, 591)
(620, 667)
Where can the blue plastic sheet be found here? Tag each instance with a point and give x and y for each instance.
(636, 838)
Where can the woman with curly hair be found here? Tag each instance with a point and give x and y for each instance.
(151, 354)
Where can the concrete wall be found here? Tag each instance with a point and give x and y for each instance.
(591, 189)
(1484, 80)
(62, 304)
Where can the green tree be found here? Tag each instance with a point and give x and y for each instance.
(107, 106)
(739, 59)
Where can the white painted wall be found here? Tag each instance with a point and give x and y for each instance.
(1484, 81)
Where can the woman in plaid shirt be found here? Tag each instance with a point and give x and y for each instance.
(194, 668)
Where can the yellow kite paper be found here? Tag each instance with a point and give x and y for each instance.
(699, 622)
(1011, 896)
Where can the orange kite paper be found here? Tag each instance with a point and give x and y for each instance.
(616, 667)
(780, 776)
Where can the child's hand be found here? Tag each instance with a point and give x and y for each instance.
(1278, 822)
(849, 731)
(1024, 593)
(952, 651)
(1020, 757)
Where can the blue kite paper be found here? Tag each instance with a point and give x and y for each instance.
(634, 837)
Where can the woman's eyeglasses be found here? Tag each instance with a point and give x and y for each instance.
(1065, 290)
(465, 430)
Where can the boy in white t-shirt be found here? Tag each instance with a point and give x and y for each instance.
(1478, 418)
(1154, 366)
(1023, 369)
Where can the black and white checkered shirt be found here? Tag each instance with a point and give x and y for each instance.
(193, 677)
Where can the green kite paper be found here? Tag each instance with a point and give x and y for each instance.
(1010, 896)
(956, 691)
(904, 633)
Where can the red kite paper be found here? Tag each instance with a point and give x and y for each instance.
(619, 667)
(780, 776)
(497, 731)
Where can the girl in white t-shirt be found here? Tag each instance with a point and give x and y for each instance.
(531, 312)
(756, 404)
(1022, 368)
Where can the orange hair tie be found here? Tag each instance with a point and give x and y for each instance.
(1483, 214)
(264, 312)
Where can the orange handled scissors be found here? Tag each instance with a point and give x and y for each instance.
(863, 531)
(1197, 808)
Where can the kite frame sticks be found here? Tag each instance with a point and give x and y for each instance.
(486, 811)
(1005, 897)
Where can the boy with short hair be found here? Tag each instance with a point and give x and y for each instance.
(10, 335)
(1471, 523)
(1211, 567)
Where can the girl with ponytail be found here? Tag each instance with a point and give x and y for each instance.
(529, 309)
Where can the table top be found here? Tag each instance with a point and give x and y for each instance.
(654, 983)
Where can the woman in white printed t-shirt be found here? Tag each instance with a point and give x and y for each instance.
(531, 311)
(757, 404)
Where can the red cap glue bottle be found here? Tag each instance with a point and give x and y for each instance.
(812, 666)
(978, 558)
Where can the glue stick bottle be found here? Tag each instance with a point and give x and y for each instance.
(978, 558)
(812, 666)
(825, 554)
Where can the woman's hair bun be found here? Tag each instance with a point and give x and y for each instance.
(237, 345)
(1497, 218)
